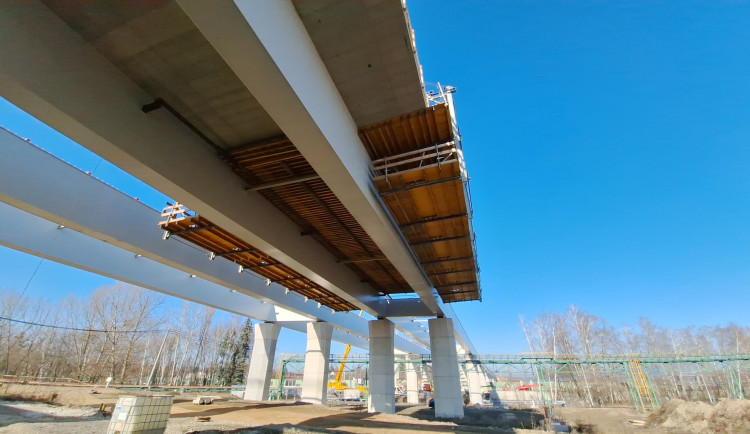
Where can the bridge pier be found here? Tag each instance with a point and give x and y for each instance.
(382, 397)
(412, 383)
(260, 371)
(475, 377)
(315, 377)
(445, 375)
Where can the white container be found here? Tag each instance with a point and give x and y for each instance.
(140, 414)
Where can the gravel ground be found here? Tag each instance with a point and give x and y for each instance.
(36, 417)
(180, 425)
(17, 417)
(75, 410)
(33, 417)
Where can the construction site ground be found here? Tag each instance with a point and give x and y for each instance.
(71, 409)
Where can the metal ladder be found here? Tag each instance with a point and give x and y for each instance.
(641, 390)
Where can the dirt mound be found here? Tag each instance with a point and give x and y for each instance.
(727, 416)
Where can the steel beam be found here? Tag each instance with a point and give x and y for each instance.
(49, 71)
(191, 230)
(36, 236)
(431, 220)
(235, 252)
(268, 48)
(283, 182)
(456, 284)
(405, 307)
(471, 270)
(57, 192)
(438, 240)
(439, 261)
(357, 260)
(419, 185)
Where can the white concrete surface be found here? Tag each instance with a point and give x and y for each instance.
(315, 379)
(445, 375)
(52, 73)
(412, 383)
(382, 398)
(57, 76)
(261, 361)
(475, 379)
(106, 229)
(273, 55)
(396, 375)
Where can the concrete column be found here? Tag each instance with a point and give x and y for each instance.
(445, 376)
(315, 380)
(483, 374)
(463, 377)
(475, 379)
(261, 361)
(412, 383)
(382, 398)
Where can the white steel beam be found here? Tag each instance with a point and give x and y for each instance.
(62, 194)
(49, 71)
(34, 235)
(268, 48)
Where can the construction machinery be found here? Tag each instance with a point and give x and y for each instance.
(338, 383)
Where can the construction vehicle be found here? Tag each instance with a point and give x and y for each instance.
(338, 383)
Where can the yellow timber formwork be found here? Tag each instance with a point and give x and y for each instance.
(419, 171)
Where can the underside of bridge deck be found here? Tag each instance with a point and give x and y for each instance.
(317, 108)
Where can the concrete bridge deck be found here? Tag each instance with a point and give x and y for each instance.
(301, 128)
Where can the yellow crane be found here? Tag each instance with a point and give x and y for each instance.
(338, 384)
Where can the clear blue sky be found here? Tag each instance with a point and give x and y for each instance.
(607, 144)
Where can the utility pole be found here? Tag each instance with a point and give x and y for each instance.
(153, 369)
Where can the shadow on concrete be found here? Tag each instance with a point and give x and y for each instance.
(267, 429)
(409, 419)
(338, 423)
(216, 408)
(481, 417)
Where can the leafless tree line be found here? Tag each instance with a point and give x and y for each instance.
(118, 332)
(579, 334)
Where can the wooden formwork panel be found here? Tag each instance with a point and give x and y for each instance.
(415, 130)
(413, 149)
(430, 205)
(220, 243)
(317, 211)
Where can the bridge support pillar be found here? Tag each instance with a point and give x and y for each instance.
(396, 376)
(412, 383)
(261, 361)
(445, 376)
(315, 379)
(475, 378)
(382, 398)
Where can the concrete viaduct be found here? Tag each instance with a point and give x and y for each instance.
(302, 148)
